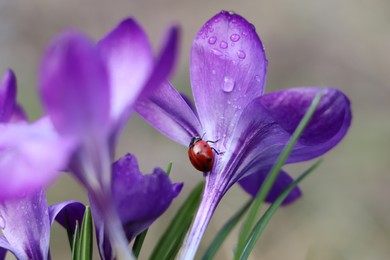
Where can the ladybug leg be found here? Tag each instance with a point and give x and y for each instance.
(217, 152)
(213, 142)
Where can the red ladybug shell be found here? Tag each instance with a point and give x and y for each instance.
(200, 154)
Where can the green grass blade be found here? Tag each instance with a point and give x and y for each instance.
(85, 244)
(269, 181)
(172, 239)
(262, 223)
(224, 232)
(169, 168)
(139, 240)
(75, 242)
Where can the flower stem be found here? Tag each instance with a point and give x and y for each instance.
(210, 199)
(114, 226)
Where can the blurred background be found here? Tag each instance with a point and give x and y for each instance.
(345, 210)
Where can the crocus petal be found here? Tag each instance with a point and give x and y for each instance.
(7, 96)
(269, 121)
(129, 58)
(140, 199)
(253, 182)
(4, 247)
(67, 213)
(32, 156)
(228, 67)
(74, 86)
(161, 71)
(26, 226)
(18, 115)
(168, 112)
(165, 63)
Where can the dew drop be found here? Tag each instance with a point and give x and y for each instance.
(212, 40)
(223, 45)
(217, 52)
(22, 195)
(234, 37)
(2, 223)
(241, 54)
(258, 78)
(228, 84)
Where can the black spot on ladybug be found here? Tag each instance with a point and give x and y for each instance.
(205, 167)
(198, 152)
(205, 145)
(209, 159)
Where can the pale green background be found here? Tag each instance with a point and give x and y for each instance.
(345, 211)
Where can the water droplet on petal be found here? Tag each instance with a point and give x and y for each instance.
(241, 54)
(217, 52)
(228, 84)
(212, 40)
(2, 223)
(223, 45)
(22, 195)
(258, 78)
(234, 37)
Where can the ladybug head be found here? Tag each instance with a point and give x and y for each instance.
(194, 140)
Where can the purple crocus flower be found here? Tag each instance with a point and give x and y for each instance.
(88, 91)
(228, 70)
(25, 220)
(139, 199)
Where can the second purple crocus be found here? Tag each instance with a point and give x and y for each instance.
(139, 199)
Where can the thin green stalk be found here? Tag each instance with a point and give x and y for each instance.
(262, 223)
(85, 242)
(269, 181)
(172, 239)
(224, 232)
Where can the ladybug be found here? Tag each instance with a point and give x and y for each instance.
(201, 154)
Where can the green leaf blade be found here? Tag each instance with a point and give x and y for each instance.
(172, 239)
(269, 181)
(86, 238)
(224, 232)
(264, 220)
(75, 242)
